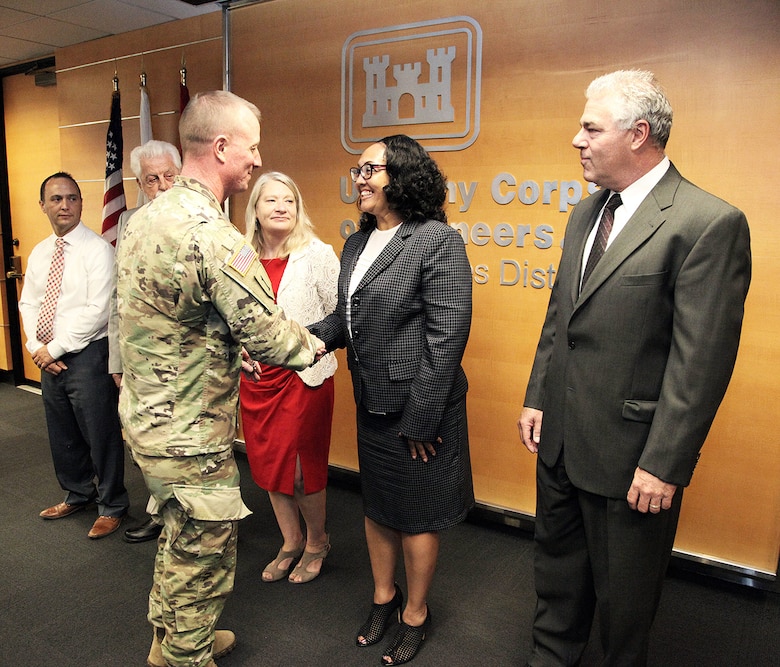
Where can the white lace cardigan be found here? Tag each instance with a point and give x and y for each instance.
(307, 293)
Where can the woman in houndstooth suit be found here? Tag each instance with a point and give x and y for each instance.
(404, 313)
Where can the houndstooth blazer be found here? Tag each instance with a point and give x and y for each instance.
(411, 315)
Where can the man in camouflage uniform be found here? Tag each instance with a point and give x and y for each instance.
(191, 292)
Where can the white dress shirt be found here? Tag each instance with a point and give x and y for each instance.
(376, 243)
(631, 197)
(82, 308)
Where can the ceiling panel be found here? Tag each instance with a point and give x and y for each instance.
(32, 29)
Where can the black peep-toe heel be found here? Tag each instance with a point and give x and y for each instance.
(406, 643)
(381, 614)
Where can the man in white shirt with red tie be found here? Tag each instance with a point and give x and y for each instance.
(64, 307)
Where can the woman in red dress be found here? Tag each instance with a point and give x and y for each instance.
(287, 415)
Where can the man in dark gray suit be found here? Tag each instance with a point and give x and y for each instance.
(635, 355)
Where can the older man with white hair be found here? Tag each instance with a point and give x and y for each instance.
(154, 164)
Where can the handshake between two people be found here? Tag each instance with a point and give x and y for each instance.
(251, 368)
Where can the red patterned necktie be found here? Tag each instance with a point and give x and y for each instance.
(602, 235)
(45, 330)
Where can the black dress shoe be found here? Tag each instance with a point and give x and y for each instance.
(146, 531)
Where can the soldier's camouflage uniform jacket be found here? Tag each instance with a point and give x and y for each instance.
(190, 293)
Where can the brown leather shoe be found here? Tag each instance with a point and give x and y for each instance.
(61, 510)
(104, 525)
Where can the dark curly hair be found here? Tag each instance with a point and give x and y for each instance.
(417, 189)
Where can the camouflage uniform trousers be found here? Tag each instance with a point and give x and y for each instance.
(199, 501)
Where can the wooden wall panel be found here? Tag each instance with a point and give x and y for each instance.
(719, 64)
(64, 127)
(33, 146)
(158, 51)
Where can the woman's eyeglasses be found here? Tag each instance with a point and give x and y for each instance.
(366, 171)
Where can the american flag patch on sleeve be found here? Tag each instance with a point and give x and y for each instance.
(243, 259)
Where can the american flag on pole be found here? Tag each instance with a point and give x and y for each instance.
(145, 114)
(114, 190)
(184, 93)
(145, 121)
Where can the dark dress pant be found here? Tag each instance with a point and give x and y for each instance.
(595, 552)
(84, 431)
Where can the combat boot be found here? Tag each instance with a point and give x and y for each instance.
(224, 643)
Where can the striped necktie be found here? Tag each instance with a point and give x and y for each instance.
(602, 235)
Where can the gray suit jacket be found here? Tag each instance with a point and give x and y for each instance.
(114, 362)
(411, 315)
(631, 371)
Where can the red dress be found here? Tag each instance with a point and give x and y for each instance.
(283, 419)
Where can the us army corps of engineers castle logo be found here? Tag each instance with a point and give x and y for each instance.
(421, 79)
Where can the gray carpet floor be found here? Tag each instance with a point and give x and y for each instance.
(68, 601)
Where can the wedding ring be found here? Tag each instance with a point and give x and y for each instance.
(654, 507)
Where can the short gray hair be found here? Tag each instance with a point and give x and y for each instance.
(640, 98)
(152, 149)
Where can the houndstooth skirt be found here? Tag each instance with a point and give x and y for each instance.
(407, 494)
